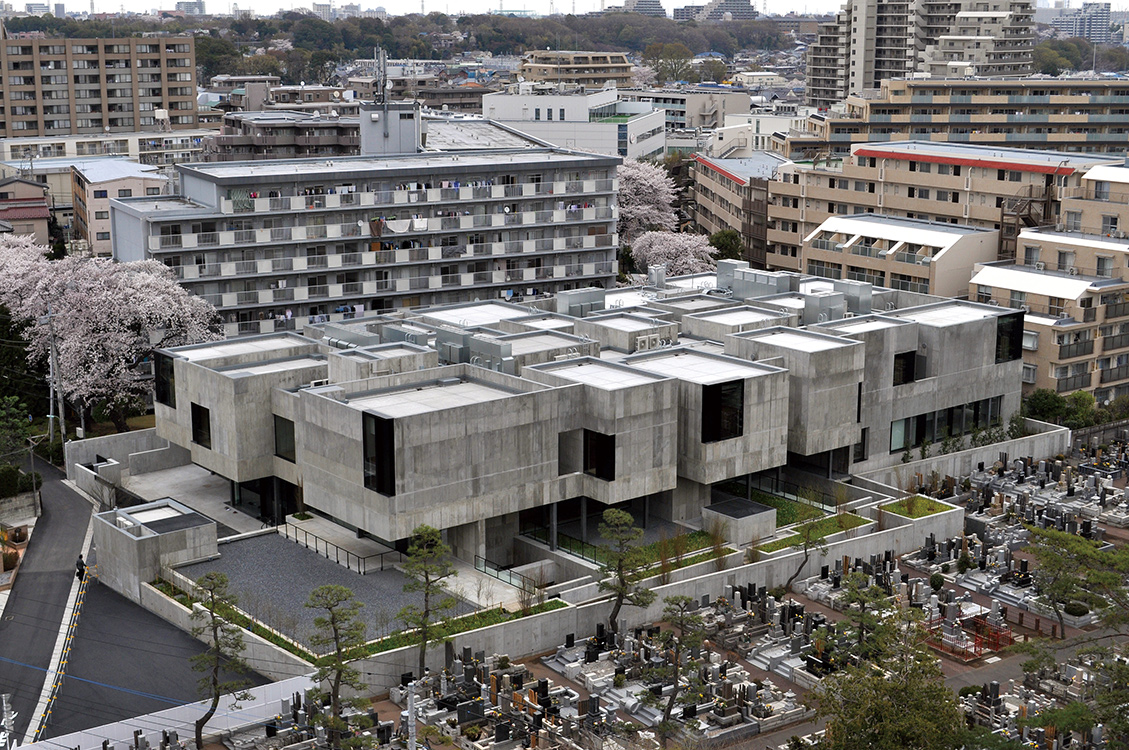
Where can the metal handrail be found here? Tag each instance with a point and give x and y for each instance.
(323, 547)
(513, 578)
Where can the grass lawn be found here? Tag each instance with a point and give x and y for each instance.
(824, 527)
(788, 512)
(916, 506)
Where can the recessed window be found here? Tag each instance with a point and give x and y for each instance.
(723, 411)
(99, 193)
(284, 438)
(164, 381)
(904, 367)
(102, 236)
(125, 193)
(599, 455)
(201, 426)
(379, 445)
(1009, 337)
(101, 214)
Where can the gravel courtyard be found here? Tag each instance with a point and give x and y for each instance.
(273, 578)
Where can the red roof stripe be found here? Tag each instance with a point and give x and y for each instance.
(703, 160)
(908, 156)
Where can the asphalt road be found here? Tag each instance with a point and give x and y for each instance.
(125, 662)
(38, 600)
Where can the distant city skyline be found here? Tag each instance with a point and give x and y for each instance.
(541, 7)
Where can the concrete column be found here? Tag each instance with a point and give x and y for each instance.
(480, 538)
(646, 510)
(553, 526)
(584, 519)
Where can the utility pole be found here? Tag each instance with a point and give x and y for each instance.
(56, 386)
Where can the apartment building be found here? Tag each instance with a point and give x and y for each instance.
(1063, 114)
(718, 10)
(70, 86)
(1072, 280)
(320, 101)
(979, 186)
(24, 208)
(496, 214)
(873, 40)
(1090, 22)
(592, 69)
(694, 108)
(94, 184)
(359, 423)
(733, 194)
(595, 121)
(250, 136)
(916, 255)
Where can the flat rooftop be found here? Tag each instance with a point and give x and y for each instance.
(274, 365)
(697, 304)
(470, 316)
(625, 322)
(1031, 281)
(241, 346)
(739, 316)
(461, 134)
(949, 314)
(601, 374)
(416, 399)
(1050, 161)
(801, 341)
(383, 351)
(695, 367)
(523, 343)
(862, 325)
(548, 323)
(886, 227)
(342, 167)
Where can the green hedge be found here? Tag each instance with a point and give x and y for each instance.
(9, 481)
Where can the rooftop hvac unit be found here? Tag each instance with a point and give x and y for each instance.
(1040, 266)
(1072, 271)
(642, 343)
(319, 383)
(1060, 227)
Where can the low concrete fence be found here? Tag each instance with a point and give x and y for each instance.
(93, 484)
(18, 508)
(152, 453)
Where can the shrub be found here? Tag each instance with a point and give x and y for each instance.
(944, 567)
(9, 481)
(620, 680)
(936, 581)
(964, 563)
(970, 690)
(777, 593)
(1076, 609)
(11, 557)
(28, 482)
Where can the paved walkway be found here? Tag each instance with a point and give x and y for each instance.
(199, 489)
(37, 604)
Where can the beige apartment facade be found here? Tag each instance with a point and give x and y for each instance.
(95, 183)
(733, 194)
(594, 69)
(1072, 278)
(1072, 115)
(70, 86)
(913, 255)
(999, 189)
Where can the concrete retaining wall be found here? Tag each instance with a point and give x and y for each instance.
(18, 508)
(92, 484)
(1049, 442)
(261, 655)
(153, 452)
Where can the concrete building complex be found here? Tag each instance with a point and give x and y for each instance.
(1090, 22)
(995, 188)
(1064, 114)
(94, 184)
(589, 120)
(717, 10)
(592, 69)
(484, 212)
(72, 86)
(359, 420)
(874, 40)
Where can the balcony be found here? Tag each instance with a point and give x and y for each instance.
(1076, 349)
(1117, 341)
(1116, 310)
(1075, 382)
(1111, 375)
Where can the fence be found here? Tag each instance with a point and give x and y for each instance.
(572, 545)
(340, 555)
(511, 577)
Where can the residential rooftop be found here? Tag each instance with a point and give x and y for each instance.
(421, 398)
(967, 153)
(599, 374)
(697, 367)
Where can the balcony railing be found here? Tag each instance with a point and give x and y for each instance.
(1117, 341)
(1076, 349)
(1116, 310)
(1074, 382)
(1112, 374)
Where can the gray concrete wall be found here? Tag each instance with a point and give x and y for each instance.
(18, 508)
(118, 447)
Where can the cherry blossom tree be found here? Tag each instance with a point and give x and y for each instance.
(107, 318)
(681, 253)
(646, 198)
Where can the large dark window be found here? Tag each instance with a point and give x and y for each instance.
(201, 426)
(599, 455)
(723, 411)
(164, 384)
(904, 367)
(380, 454)
(1009, 337)
(284, 438)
